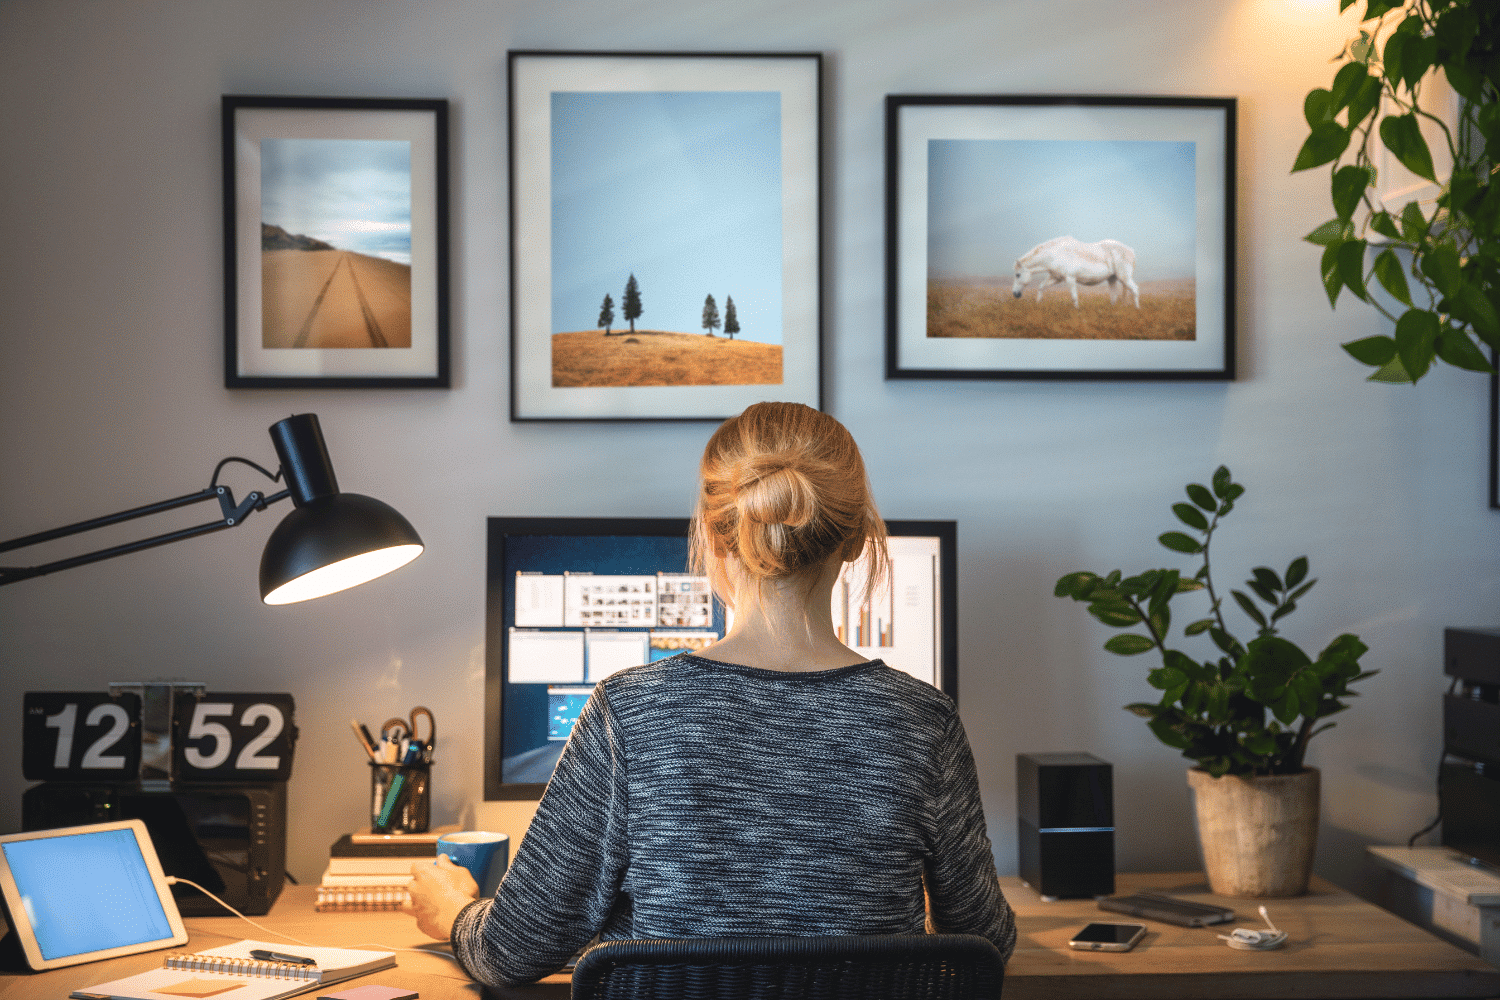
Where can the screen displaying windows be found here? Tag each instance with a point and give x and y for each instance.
(573, 600)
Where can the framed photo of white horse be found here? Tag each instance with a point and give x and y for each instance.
(1060, 237)
(665, 233)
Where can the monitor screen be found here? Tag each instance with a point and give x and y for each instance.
(572, 600)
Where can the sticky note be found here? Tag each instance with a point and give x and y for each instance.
(200, 987)
(371, 993)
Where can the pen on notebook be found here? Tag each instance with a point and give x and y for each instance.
(361, 734)
(276, 956)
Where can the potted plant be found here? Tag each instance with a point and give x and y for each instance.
(1442, 265)
(1245, 716)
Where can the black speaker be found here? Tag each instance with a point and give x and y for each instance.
(1066, 824)
(1472, 654)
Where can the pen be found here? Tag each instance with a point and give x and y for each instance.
(276, 956)
(362, 734)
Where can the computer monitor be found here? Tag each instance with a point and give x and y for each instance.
(570, 600)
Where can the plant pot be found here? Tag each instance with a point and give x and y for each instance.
(1258, 834)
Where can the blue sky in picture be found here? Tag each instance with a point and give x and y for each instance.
(352, 193)
(991, 200)
(681, 189)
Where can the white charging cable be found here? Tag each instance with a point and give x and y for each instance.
(174, 880)
(1250, 939)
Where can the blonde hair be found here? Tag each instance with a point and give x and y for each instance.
(782, 488)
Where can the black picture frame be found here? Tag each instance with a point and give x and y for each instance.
(1495, 430)
(973, 181)
(632, 190)
(357, 300)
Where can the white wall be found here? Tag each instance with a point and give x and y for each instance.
(111, 392)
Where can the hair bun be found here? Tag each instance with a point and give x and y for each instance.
(770, 489)
(783, 491)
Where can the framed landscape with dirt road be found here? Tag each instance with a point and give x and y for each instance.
(1054, 237)
(665, 233)
(335, 242)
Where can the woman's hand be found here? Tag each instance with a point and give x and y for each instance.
(438, 893)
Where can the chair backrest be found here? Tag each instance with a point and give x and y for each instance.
(878, 967)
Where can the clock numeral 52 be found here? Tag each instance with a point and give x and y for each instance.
(234, 737)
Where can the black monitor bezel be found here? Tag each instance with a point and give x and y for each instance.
(499, 528)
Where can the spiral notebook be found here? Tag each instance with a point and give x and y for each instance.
(230, 973)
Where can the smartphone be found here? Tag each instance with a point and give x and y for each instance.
(1108, 937)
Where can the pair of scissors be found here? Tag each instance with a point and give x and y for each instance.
(396, 728)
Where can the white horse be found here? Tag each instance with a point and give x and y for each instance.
(1064, 259)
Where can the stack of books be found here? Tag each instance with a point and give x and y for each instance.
(371, 871)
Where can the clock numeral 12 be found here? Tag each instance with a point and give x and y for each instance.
(79, 736)
(93, 757)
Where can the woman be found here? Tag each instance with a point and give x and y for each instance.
(777, 784)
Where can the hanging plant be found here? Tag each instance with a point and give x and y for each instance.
(1443, 267)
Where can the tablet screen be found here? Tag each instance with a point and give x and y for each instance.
(88, 892)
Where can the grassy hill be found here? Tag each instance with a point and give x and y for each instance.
(986, 308)
(588, 358)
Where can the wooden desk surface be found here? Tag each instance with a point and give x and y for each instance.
(1339, 947)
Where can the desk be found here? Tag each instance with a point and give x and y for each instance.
(1339, 947)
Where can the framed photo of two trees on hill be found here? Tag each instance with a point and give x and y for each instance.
(1059, 237)
(335, 242)
(665, 233)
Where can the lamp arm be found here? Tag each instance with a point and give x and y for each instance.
(233, 514)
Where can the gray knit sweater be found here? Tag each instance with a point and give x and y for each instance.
(702, 799)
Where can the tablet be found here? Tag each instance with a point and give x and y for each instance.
(83, 893)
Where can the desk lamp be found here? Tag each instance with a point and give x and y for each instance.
(329, 541)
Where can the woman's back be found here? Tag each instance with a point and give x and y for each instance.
(706, 799)
(808, 792)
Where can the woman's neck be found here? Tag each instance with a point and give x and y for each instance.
(784, 624)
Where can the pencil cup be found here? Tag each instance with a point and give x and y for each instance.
(410, 810)
(484, 854)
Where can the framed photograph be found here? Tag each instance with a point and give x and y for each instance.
(335, 242)
(1047, 237)
(665, 238)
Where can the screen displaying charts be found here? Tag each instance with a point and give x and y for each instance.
(572, 601)
(898, 620)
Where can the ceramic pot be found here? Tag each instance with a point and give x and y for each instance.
(1258, 834)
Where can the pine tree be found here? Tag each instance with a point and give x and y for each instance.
(731, 321)
(607, 314)
(631, 303)
(710, 315)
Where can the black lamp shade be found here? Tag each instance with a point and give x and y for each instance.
(333, 542)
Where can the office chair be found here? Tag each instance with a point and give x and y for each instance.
(876, 967)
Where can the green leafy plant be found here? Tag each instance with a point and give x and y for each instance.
(1252, 710)
(1444, 269)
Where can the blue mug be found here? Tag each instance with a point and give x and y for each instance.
(484, 854)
